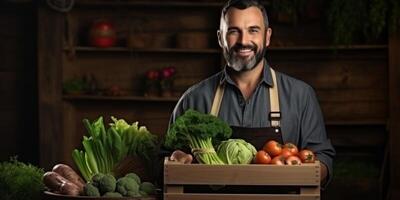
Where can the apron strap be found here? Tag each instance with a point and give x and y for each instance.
(274, 115)
(216, 105)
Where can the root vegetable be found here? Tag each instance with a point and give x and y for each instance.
(56, 182)
(68, 173)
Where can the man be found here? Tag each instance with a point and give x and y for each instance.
(251, 97)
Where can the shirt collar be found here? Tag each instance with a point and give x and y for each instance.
(267, 78)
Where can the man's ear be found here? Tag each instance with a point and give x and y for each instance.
(268, 34)
(219, 35)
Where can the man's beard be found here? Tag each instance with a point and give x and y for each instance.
(243, 64)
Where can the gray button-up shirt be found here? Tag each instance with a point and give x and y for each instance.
(301, 118)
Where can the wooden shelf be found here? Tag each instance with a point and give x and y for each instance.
(217, 51)
(143, 50)
(329, 48)
(356, 122)
(142, 3)
(175, 99)
(118, 98)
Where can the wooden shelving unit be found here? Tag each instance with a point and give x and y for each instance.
(141, 3)
(119, 98)
(83, 49)
(211, 51)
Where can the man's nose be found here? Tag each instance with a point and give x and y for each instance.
(244, 38)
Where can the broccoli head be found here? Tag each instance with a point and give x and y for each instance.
(96, 179)
(196, 124)
(134, 176)
(148, 188)
(126, 184)
(90, 190)
(112, 194)
(107, 184)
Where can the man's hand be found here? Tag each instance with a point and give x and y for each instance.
(181, 157)
(324, 173)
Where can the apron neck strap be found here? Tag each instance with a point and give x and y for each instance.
(274, 115)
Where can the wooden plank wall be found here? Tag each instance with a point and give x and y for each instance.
(18, 111)
(51, 27)
(394, 125)
(350, 85)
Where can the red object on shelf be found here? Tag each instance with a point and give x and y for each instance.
(102, 34)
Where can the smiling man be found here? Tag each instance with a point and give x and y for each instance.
(257, 102)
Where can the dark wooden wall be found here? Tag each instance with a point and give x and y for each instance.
(18, 90)
(357, 86)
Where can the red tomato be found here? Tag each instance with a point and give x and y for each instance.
(293, 160)
(262, 157)
(307, 156)
(278, 160)
(293, 148)
(273, 148)
(286, 152)
(102, 34)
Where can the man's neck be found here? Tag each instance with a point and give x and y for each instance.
(247, 81)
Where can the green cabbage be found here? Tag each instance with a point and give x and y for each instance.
(236, 151)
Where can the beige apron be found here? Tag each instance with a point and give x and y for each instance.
(255, 136)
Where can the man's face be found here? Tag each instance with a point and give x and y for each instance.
(243, 38)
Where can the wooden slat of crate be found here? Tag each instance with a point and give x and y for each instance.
(198, 174)
(203, 196)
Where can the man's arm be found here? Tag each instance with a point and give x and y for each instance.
(314, 135)
(324, 173)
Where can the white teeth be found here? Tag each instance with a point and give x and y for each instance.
(245, 50)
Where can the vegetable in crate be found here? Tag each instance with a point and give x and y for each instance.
(105, 149)
(199, 132)
(236, 151)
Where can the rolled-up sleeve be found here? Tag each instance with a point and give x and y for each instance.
(313, 133)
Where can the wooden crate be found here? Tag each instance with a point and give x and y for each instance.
(177, 177)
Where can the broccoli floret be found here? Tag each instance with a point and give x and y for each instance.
(134, 176)
(126, 184)
(148, 188)
(133, 194)
(143, 193)
(96, 179)
(112, 194)
(107, 184)
(90, 190)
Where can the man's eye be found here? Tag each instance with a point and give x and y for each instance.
(253, 30)
(233, 31)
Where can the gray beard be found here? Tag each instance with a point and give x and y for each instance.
(239, 64)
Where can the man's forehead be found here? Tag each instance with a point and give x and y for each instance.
(251, 16)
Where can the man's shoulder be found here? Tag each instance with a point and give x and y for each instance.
(204, 87)
(208, 84)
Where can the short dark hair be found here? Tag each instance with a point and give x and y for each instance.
(243, 4)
